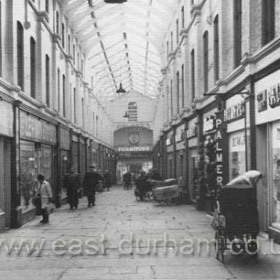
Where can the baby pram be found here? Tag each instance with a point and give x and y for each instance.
(236, 220)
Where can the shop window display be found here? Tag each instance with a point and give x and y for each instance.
(237, 155)
(34, 159)
(276, 173)
(28, 173)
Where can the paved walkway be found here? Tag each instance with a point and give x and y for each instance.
(120, 239)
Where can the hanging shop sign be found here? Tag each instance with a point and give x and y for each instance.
(36, 129)
(267, 92)
(234, 112)
(209, 123)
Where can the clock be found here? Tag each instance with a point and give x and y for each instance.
(134, 138)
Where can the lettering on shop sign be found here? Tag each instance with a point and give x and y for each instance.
(234, 112)
(134, 149)
(34, 128)
(191, 132)
(273, 96)
(219, 152)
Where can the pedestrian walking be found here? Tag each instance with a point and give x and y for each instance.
(44, 193)
(90, 183)
(127, 181)
(72, 185)
(107, 180)
(100, 186)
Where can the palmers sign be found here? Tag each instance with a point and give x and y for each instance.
(219, 149)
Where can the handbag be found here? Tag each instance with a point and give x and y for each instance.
(49, 208)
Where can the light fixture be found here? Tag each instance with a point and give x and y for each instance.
(121, 89)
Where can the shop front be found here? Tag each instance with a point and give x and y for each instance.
(267, 92)
(37, 156)
(64, 158)
(238, 137)
(94, 152)
(180, 152)
(192, 160)
(207, 162)
(6, 135)
(134, 147)
(82, 156)
(169, 142)
(74, 152)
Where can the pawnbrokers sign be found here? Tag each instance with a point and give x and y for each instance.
(134, 149)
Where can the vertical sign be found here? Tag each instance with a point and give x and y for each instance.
(219, 149)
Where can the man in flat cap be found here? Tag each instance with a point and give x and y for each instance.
(91, 180)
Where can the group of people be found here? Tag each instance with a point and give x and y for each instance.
(92, 182)
(43, 196)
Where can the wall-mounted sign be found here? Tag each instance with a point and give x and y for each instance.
(270, 96)
(234, 112)
(36, 129)
(219, 150)
(209, 123)
(180, 133)
(169, 138)
(134, 149)
(191, 132)
(267, 91)
(168, 142)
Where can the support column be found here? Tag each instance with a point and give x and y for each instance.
(16, 210)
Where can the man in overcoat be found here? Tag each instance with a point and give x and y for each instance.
(72, 185)
(91, 180)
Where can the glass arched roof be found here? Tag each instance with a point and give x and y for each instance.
(122, 42)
